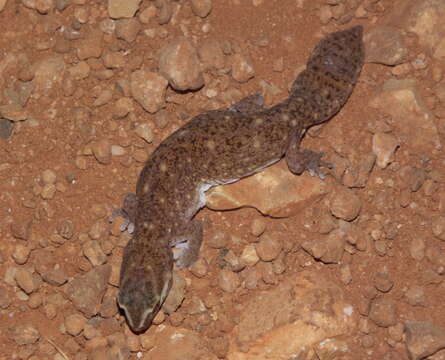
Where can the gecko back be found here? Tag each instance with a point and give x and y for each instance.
(332, 70)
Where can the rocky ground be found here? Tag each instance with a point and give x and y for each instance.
(351, 267)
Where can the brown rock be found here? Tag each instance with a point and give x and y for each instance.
(385, 45)
(415, 295)
(438, 227)
(102, 151)
(218, 240)
(13, 112)
(74, 324)
(420, 17)
(383, 283)
(258, 227)
(147, 14)
(234, 262)
(344, 204)
(5, 299)
(86, 291)
(113, 60)
(109, 306)
(171, 343)
(328, 250)
(25, 280)
(165, 11)
(2, 4)
(179, 63)
(269, 247)
(21, 254)
(272, 321)
(91, 45)
(65, 228)
(21, 229)
(384, 147)
(127, 29)
(423, 339)
(242, 68)
(176, 295)
(228, 280)
(401, 100)
(267, 273)
(56, 277)
(122, 9)
(24, 334)
(383, 312)
(201, 8)
(79, 71)
(249, 255)
(211, 54)
(274, 191)
(200, 268)
(93, 252)
(148, 89)
(123, 107)
(417, 248)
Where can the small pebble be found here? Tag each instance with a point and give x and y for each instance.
(21, 254)
(218, 240)
(383, 283)
(269, 247)
(228, 281)
(249, 255)
(235, 263)
(25, 280)
(102, 151)
(74, 324)
(5, 299)
(242, 68)
(438, 227)
(383, 312)
(344, 204)
(258, 226)
(200, 268)
(25, 334)
(127, 29)
(49, 177)
(145, 131)
(201, 8)
(179, 63)
(415, 296)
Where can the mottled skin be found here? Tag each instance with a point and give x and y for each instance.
(219, 147)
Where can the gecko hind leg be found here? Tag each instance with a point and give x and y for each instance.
(187, 244)
(128, 212)
(298, 160)
(305, 159)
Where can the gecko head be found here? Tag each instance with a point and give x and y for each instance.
(141, 295)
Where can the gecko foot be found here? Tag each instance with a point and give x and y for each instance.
(305, 159)
(128, 212)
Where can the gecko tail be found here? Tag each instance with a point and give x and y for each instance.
(332, 70)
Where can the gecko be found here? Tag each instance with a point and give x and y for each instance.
(220, 147)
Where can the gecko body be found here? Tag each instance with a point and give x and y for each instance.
(220, 147)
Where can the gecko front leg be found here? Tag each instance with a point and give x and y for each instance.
(128, 212)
